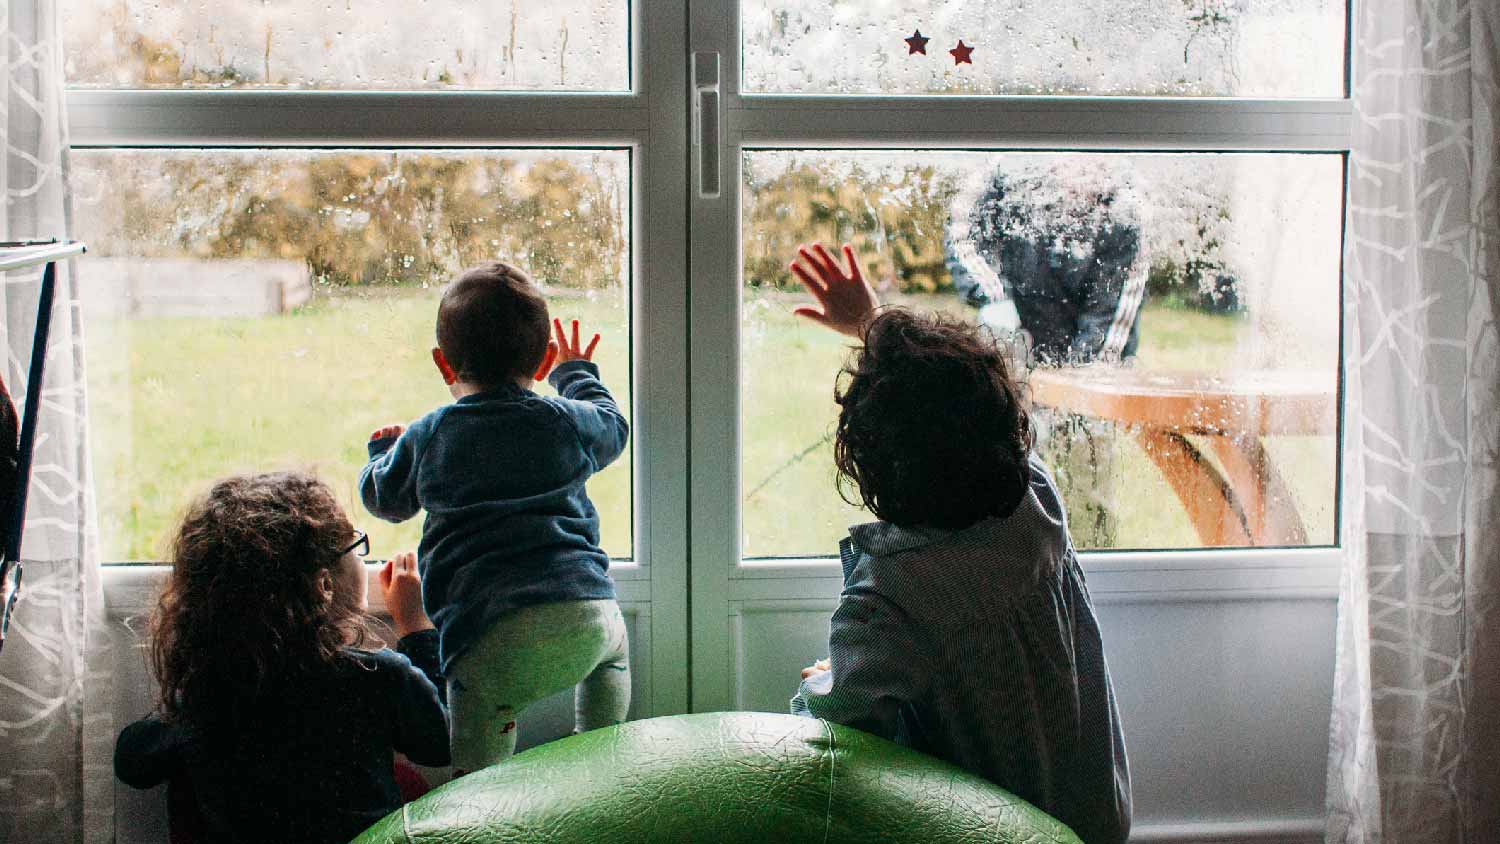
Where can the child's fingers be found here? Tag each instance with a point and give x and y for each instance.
(562, 339)
(574, 348)
(830, 266)
(854, 272)
(825, 274)
(814, 315)
(386, 572)
(588, 354)
(815, 287)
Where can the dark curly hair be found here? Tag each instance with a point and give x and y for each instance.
(931, 429)
(493, 324)
(243, 613)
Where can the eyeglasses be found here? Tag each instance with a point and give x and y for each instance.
(360, 545)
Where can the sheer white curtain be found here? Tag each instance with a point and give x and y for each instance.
(1415, 743)
(55, 732)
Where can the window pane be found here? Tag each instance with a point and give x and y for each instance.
(1180, 48)
(1214, 278)
(522, 45)
(250, 310)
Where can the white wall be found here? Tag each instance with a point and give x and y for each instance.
(1225, 694)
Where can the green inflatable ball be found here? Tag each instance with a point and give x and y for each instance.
(725, 777)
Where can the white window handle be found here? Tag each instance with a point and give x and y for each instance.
(706, 122)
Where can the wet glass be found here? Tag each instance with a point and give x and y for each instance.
(252, 310)
(1156, 48)
(378, 45)
(1228, 381)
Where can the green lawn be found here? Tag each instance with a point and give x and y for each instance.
(176, 403)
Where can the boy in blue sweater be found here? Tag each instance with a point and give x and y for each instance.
(512, 572)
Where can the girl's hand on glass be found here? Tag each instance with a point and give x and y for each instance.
(571, 349)
(847, 300)
(816, 668)
(401, 587)
(387, 431)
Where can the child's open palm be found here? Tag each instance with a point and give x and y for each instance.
(848, 301)
(572, 350)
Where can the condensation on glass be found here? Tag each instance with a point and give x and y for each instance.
(1180, 48)
(1230, 382)
(511, 45)
(249, 310)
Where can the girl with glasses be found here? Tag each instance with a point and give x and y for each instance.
(271, 704)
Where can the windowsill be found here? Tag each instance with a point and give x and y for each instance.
(1124, 576)
(130, 590)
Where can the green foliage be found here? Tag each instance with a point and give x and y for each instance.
(368, 218)
(893, 215)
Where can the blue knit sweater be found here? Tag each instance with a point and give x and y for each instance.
(501, 475)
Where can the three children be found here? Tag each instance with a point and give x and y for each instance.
(964, 630)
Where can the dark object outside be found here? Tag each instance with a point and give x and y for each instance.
(1052, 255)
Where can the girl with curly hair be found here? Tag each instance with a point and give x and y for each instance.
(964, 629)
(270, 704)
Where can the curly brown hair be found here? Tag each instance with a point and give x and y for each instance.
(931, 428)
(243, 612)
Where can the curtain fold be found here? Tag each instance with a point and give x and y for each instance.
(55, 685)
(1414, 745)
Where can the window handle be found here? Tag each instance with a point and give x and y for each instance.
(706, 122)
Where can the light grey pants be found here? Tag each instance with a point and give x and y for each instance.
(527, 655)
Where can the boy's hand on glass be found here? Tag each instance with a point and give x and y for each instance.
(848, 301)
(401, 587)
(816, 668)
(387, 431)
(571, 349)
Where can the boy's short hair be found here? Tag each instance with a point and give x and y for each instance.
(493, 325)
(931, 430)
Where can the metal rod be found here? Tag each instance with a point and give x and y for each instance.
(17, 515)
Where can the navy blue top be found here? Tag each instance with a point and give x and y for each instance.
(501, 475)
(314, 763)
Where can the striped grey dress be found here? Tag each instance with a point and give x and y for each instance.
(980, 646)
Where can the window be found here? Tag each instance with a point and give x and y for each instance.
(250, 309)
(261, 307)
(1238, 258)
(266, 187)
(273, 194)
(563, 45)
(1156, 48)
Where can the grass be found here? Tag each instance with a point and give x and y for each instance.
(177, 403)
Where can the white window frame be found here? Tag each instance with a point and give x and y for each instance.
(723, 586)
(685, 295)
(649, 121)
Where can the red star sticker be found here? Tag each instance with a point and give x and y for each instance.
(916, 43)
(961, 53)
